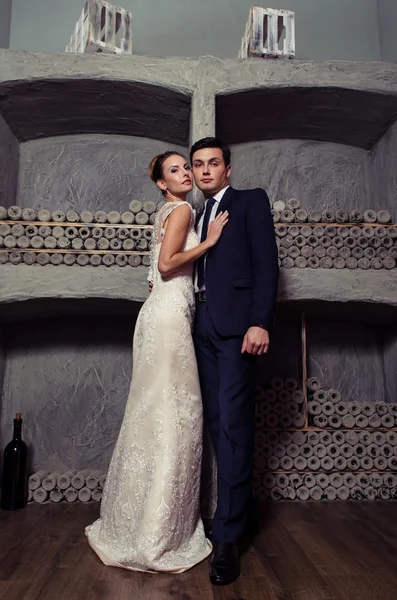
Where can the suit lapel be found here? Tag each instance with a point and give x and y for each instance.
(227, 196)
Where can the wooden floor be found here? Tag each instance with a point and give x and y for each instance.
(324, 551)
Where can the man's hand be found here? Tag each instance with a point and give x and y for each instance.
(150, 286)
(256, 341)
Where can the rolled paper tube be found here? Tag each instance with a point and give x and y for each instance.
(275, 494)
(322, 480)
(135, 206)
(58, 216)
(373, 450)
(320, 421)
(298, 438)
(69, 259)
(127, 217)
(389, 263)
(43, 258)
(336, 480)
(34, 481)
(343, 493)
(84, 495)
(361, 421)
(64, 480)
(363, 263)
(351, 263)
(346, 450)
(86, 216)
(100, 216)
(338, 437)
(29, 258)
(376, 263)
(376, 480)
(295, 480)
(357, 493)
(108, 259)
(320, 450)
(141, 218)
(103, 244)
(15, 257)
(3, 213)
(380, 463)
(313, 438)
(383, 216)
(275, 214)
(367, 463)
(300, 463)
(384, 493)
(370, 216)
(386, 450)
(330, 493)
(40, 495)
(303, 493)
(90, 244)
(327, 463)
(298, 396)
(349, 480)
(293, 231)
(279, 205)
(72, 216)
(328, 408)
(50, 481)
(273, 463)
(333, 450)
(314, 216)
(56, 495)
(293, 450)
(282, 480)
(298, 420)
(326, 262)
(84, 232)
(391, 438)
(301, 215)
(96, 495)
(95, 260)
(370, 493)
(368, 409)
(14, 213)
(340, 463)
(289, 493)
(381, 408)
(97, 232)
(341, 216)
(332, 252)
(83, 260)
(313, 463)
(286, 463)
(313, 384)
(328, 216)
(319, 252)
(70, 494)
(306, 231)
(78, 480)
(114, 217)
(56, 259)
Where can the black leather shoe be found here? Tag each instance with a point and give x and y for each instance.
(225, 563)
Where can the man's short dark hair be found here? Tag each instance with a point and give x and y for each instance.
(212, 142)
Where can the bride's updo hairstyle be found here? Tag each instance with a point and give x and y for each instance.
(156, 165)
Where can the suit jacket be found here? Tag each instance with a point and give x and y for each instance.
(241, 274)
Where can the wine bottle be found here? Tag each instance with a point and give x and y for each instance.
(14, 489)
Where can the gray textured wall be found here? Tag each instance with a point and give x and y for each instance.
(71, 387)
(387, 15)
(321, 175)
(87, 172)
(5, 23)
(348, 357)
(384, 171)
(9, 161)
(324, 30)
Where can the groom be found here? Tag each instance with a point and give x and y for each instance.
(236, 289)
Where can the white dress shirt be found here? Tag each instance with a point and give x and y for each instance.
(218, 197)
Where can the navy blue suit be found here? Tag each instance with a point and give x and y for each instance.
(241, 278)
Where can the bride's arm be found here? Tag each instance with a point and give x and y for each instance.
(172, 258)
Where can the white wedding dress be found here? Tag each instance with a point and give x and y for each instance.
(150, 512)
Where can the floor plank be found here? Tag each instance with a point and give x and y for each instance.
(302, 551)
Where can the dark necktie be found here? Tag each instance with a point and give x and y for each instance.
(204, 231)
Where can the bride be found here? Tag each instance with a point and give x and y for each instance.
(150, 514)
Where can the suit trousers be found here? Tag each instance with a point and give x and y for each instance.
(226, 379)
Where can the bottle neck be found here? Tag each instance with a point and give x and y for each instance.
(17, 430)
